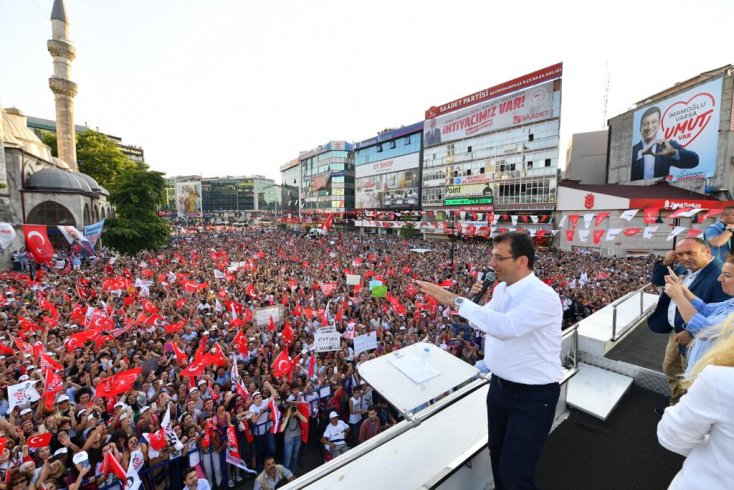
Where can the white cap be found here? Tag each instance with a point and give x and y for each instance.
(120, 405)
(333, 414)
(25, 411)
(61, 450)
(24, 378)
(80, 457)
(193, 389)
(62, 398)
(144, 409)
(202, 382)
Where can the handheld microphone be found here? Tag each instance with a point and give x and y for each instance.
(489, 278)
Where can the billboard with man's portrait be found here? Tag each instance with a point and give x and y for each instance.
(676, 138)
(188, 199)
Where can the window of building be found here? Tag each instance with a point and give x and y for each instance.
(531, 137)
(393, 144)
(481, 170)
(547, 162)
(530, 164)
(379, 148)
(468, 149)
(468, 171)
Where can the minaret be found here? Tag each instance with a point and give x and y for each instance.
(63, 52)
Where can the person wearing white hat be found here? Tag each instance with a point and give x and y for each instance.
(335, 435)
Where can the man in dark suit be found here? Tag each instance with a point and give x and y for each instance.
(652, 157)
(433, 135)
(700, 272)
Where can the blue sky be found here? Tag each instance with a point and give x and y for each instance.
(219, 87)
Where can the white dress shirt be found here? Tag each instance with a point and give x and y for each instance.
(523, 323)
(701, 427)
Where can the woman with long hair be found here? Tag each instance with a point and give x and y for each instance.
(701, 425)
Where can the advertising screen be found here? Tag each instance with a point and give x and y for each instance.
(676, 138)
(188, 199)
(394, 190)
(522, 107)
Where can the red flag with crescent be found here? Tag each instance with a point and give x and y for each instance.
(39, 440)
(282, 365)
(38, 244)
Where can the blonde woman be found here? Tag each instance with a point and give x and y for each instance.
(701, 425)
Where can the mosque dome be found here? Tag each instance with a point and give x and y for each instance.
(96, 188)
(54, 179)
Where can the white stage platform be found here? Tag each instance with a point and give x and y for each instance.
(595, 332)
(596, 391)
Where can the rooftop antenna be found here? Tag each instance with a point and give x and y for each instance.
(606, 94)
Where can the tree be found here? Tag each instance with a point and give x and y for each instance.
(97, 155)
(136, 226)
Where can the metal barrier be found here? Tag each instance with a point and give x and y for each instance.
(171, 469)
(624, 299)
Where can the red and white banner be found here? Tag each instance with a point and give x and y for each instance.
(233, 451)
(536, 77)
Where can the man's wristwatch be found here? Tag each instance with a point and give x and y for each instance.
(458, 301)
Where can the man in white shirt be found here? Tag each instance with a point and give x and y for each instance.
(335, 435)
(523, 326)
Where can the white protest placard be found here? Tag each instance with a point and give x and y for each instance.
(262, 315)
(22, 394)
(365, 342)
(329, 329)
(354, 279)
(326, 342)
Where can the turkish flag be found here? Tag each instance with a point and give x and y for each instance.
(287, 334)
(175, 327)
(340, 314)
(217, 357)
(305, 410)
(38, 244)
(47, 361)
(39, 440)
(111, 465)
(180, 302)
(148, 306)
(124, 381)
(157, 439)
(271, 325)
(240, 341)
(53, 382)
(282, 365)
(181, 356)
(195, 368)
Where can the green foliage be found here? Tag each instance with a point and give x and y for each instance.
(408, 230)
(101, 158)
(97, 156)
(136, 196)
(49, 138)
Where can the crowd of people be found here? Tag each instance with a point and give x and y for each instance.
(146, 366)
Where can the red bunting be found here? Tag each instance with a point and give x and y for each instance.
(600, 217)
(631, 231)
(597, 236)
(570, 234)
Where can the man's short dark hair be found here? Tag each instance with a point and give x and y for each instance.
(186, 473)
(521, 245)
(650, 111)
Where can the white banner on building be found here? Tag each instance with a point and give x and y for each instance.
(522, 107)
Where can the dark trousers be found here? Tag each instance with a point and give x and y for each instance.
(520, 417)
(264, 447)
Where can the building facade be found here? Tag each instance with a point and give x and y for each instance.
(495, 151)
(290, 176)
(327, 179)
(586, 157)
(230, 199)
(388, 170)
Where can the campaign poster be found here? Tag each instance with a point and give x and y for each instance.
(188, 199)
(93, 232)
(676, 138)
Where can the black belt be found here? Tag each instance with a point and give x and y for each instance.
(511, 385)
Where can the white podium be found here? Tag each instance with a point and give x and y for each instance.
(402, 379)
